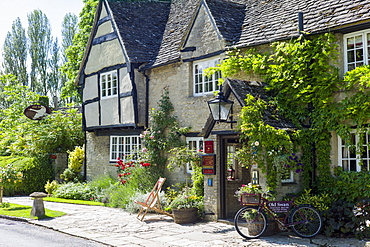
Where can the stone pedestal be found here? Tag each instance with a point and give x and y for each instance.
(38, 209)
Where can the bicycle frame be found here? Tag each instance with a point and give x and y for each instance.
(277, 207)
(251, 220)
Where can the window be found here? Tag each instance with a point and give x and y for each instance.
(194, 143)
(287, 176)
(108, 84)
(121, 146)
(351, 156)
(205, 84)
(357, 49)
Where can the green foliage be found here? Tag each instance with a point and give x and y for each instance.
(5, 205)
(75, 52)
(187, 200)
(344, 219)
(304, 81)
(120, 196)
(348, 186)
(180, 156)
(78, 191)
(36, 171)
(163, 132)
(9, 175)
(59, 131)
(173, 191)
(50, 187)
(198, 180)
(75, 163)
(15, 53)
(102, 182)
(264, 145)
(320, 201)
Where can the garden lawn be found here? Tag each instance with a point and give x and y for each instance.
(62, 200)
(22, 211)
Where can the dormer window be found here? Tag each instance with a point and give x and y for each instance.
(205, 84)
(108, 84)
(357, 49)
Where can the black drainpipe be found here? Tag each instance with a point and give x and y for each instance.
(146, 97)
(310, 108)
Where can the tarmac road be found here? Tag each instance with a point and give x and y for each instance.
(115, 227)
(22, 234)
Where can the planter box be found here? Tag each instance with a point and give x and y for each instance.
(185, 215)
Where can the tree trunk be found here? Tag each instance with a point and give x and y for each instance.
(1, 194)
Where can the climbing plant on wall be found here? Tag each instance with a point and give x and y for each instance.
(301, 75)
(163, 132)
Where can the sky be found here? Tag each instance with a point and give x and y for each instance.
(55, 10)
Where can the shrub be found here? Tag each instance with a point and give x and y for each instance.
(348, 186)
(75, 163)
(344, 219)
(36, 171)
(78, 191)
(50, 187)
(321, 201)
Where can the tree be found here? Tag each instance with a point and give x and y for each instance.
(54, 80)
(6, 100)
(69, 29)
(39, 34)
(15, 52)
(76, 51)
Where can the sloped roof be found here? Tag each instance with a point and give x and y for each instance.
(141, 26)
(268, 20)
(152, 30)
(229, 18)
(181, 13)
(240, 89)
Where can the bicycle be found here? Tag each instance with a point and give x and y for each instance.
(251, 220)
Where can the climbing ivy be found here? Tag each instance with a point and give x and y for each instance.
(163, 132)
(302, 76)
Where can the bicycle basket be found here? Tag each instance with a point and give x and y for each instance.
(249, 199)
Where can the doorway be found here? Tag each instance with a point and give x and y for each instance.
(232, 176)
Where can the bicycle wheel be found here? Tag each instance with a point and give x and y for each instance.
(250, 223)
(306, 221)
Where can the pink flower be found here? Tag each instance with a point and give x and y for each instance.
(151, 137)
(144, 150)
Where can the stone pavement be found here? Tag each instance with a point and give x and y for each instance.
(115, 227)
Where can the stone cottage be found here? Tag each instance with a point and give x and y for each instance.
(137, 48)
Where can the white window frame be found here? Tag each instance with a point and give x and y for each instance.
(201, 84)
(290, 179)
(364, 37)
(109, 84)
(348, 158)
(123, 146)
(195, 143)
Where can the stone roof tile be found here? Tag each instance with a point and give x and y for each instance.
(141, 26)
(156, 37)
(271, 116)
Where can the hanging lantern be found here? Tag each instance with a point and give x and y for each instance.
(220, 107)
(231, 173)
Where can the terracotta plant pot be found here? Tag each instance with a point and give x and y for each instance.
(185, 215)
